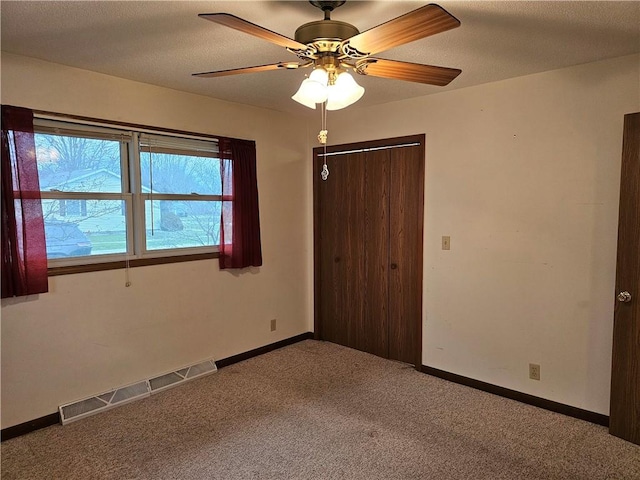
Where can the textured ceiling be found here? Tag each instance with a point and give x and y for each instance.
(163, 42)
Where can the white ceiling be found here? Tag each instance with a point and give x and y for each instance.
(164, 42)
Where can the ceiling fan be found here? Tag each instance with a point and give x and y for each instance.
(332, 47)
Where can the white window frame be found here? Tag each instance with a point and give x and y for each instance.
(146, 142)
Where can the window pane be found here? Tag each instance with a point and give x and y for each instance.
(76, 228)
(168, 173)
(73, 164)
(181, 224)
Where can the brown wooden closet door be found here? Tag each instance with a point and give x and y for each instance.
(405, 254)
(368, 248)
(624, 418)
(341, 224)
(375, 328)
(353, 311)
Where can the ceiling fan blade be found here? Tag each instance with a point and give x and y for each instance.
(420, 23)
(411, 72)
(238, 23)
(256, 69)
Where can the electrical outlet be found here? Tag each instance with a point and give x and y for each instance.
(534, 371)
(446, 243)
(273, 325)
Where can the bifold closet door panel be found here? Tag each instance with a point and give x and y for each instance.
(375, 330)
(405, 253)
(342, 268)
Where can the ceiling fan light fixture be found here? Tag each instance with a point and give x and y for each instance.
(321, 87)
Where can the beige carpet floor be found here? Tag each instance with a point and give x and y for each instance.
(316, 410)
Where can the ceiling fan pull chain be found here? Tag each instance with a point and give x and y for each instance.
(322, 138)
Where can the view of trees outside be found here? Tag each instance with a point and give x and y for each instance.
(175, 224)
(95, 226)
(66, 163)
(180, 174)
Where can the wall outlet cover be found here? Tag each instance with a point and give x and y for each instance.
(534, 371)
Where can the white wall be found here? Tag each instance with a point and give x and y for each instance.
(90, 333)
(523, 175)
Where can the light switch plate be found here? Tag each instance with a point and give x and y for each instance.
(446, 243)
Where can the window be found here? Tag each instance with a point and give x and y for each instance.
(120, 195)
(182, 192)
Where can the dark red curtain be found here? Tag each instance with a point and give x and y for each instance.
(24, 253)
(240, 229)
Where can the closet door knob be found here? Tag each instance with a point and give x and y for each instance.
(624, 297)
(336, 259)
(394, 266)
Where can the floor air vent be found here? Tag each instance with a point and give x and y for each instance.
(119, 396)
(172, 379)
(105, 401)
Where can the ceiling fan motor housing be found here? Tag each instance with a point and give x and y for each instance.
(325, 30)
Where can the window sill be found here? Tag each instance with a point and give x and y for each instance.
(139, 262)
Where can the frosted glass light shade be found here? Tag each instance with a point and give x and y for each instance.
(300, 98)
(310, 93)
(313, 89)
(344, 92)
(320, 75)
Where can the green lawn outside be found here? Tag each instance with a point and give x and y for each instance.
(103, 243)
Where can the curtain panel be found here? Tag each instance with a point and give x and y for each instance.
(240, 245)
(24, 253)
